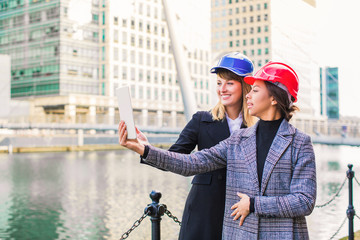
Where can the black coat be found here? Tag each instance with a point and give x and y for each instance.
(204, 208)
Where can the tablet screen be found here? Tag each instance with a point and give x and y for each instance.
(125, 110)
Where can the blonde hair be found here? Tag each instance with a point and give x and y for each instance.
(218, 112)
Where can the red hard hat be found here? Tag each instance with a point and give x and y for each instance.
(277, 72)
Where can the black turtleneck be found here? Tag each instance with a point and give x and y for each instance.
(265, 135)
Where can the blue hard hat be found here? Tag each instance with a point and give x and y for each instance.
(235, 62)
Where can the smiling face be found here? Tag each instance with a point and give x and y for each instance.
(260, 103)
(229, 92)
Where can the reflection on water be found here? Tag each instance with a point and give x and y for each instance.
(99, 195)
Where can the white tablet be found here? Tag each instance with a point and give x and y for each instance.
(125, 110)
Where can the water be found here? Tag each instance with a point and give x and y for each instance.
(99, 195)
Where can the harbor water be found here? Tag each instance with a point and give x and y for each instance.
(99, 195)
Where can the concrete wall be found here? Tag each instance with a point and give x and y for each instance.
(5, 83)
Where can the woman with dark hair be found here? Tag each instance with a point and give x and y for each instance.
(271, 173)
(204, 208)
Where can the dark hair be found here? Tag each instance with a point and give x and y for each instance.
(282, 99)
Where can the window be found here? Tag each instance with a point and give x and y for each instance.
(258, 29)
(148, 43)
(237, 32)
(124, 73)
(141, 75)
(53, 13)
(244, 42)
(230, 22)
(35, 17)
(258, 40)
(230, 33)
(116, 20)
(148, 59)
(266, 39)
(238, 43)
(95, 18)
(259, 52)
(124, 38)
(266, 51)
(141, 60)
(251, 41)
(266, 28)
(258, 18)
(258, 6)
(244, 31)
(116, 36)
(265, 5)
(132, 57)
(132, 74)
(132, 40)
(265, 17)
(251, 19)
(148, 76)
(116, 54)
(124, 55)
(116, 71)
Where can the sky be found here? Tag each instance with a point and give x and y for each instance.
(339, 46)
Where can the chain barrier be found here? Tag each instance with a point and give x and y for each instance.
(135, 225)
(342, 224)
(357, 216)
(167, 212)
(333, 198)
(357, 181)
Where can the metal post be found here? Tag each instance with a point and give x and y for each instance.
(350, 211)
(190, 106)
(155, 210)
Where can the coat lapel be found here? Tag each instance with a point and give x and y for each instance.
(222, 128)
(248, 147)
(281, 142)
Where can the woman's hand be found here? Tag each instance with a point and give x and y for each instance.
(132, 144)
(241, 208)
(141, 137)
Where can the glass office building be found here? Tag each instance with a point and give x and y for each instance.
(52, 52)
(329, 92)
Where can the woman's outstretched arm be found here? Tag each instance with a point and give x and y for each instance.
(183, 164)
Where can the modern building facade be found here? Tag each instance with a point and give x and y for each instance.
(273, 30)
(51, 52)
(68, 56)
(329, 92)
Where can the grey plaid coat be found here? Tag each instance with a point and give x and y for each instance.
(288, 188)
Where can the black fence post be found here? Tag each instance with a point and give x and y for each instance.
(350, 211)
(155, 211)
